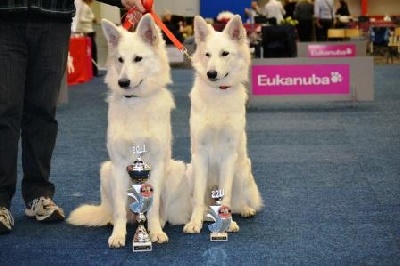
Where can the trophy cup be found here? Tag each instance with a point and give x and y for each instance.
(221, 215)
(142, 195)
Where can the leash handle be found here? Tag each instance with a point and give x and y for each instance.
(133, 16)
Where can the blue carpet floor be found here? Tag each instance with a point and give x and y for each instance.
(329, 175)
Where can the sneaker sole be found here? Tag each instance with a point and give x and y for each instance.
(4, 229)
(56, 216)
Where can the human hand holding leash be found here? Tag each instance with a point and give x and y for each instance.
(143, 5)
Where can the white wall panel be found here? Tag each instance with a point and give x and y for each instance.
(178, 7)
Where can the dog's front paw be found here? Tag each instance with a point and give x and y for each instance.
(116, 241)
(159, 237)
(248, 212)
(233, 227)
(192, 228)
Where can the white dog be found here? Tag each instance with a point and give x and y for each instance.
(138, 114)
(217, 122)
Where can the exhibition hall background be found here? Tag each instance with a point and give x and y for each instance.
(210, 8)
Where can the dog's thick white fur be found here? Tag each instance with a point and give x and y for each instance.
(139, 114)
(217, 122)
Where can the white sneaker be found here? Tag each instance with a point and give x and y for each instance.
(44, 210)
(6, 221)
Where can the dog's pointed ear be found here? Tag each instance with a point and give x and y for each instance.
(148, 31)
(201, 29)
(111, 32)
(235, 30)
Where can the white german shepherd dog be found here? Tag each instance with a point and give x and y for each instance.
(138, 114)
(217, 122)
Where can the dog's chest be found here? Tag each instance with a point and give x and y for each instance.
(137, 128)
(219, 134)
(216, 120)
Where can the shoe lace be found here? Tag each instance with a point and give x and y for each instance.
(43, 202)
(5, 215)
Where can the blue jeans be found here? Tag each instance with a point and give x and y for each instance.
(33, 58)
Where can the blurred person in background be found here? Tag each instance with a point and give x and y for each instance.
(288, 6)
(304, 13)
(342, 14)
(274, 9)
(252, 12)
(324, 18)
(84, 24)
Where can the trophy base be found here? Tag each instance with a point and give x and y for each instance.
(142, 246)
(219, 237)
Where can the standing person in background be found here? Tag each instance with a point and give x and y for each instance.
(304, 13)
(34, 40)
(324, 16)
(289, 6)
(343, 9)
(84, 24)
(252, 12)
(274, 9)
(342, 14)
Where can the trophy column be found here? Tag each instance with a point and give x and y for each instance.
(142, 195)
(222, 216)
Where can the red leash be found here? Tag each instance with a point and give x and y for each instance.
(133, 16)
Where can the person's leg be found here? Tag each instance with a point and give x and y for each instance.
(48, 49)
(326, 25)
(319, 33)
(308, 30)
(94, 53)
(301, 30)
(13, 62)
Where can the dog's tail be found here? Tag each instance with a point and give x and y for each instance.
(90, 215)
(95, 215)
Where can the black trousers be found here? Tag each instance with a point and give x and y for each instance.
(305, 30)
(92, 36)
(322, 33)
(33, 55)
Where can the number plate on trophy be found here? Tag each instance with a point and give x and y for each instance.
(142, 246)
(219, 237)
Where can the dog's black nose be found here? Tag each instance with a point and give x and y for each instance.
(124, 83)
(212, 75)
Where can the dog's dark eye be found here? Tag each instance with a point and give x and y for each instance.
(208, 54)
(120, 59)
(137, 59)
(225, 53)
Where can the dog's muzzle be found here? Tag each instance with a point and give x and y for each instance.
(124, 83)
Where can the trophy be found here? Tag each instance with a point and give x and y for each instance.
(221, 215)
(142, 195)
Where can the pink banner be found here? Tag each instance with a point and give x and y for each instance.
(331, 50)
(300, 79)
